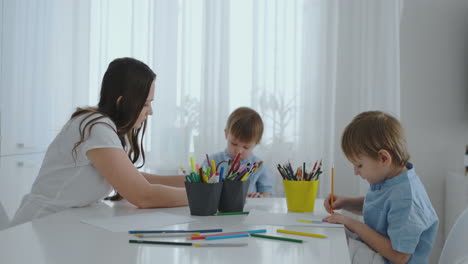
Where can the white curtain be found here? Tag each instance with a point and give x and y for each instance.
(307, 66)
(44, 65)
(368, 72)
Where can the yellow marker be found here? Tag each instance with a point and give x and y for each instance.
(192, 164)
(245, 176)
(205, 178)
(300, 233)
(213, 167)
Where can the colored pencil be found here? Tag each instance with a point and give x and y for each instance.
(277, 238)
(332, 196)
(233, 213)
(175, 231)
(309, 221)
(231, 233)
(187, 243)
(221, 245)
(300, 233)
(167, 235)
(160, 242)
(227, 236)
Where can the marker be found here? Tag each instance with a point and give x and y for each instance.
(300, 233)
(192, 164)
(221, 174)
(213, 166)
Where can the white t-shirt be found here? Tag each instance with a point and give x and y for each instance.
(64, 182)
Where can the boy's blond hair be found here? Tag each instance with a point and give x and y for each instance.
(372, 131)
(245, 124)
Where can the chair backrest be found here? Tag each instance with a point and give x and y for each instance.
(455, 249)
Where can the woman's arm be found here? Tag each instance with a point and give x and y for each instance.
(173, 180)
(114, 165)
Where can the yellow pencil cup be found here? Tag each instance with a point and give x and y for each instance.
(300, 195)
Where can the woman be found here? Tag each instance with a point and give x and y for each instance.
(97, 149)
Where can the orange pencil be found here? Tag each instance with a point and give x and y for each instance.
(332, 198)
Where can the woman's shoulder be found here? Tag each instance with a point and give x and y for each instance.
(91, 118)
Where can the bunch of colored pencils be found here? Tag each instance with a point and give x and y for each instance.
(286, 171)
(236, 172)
(208, 174)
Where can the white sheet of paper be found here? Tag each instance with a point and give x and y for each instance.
(257, 217)
(146, 221)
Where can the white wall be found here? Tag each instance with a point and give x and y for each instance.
(434, 93)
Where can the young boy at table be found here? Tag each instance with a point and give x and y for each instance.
(244, 130)
(400, 223)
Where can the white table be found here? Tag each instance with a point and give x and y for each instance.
(62, 238)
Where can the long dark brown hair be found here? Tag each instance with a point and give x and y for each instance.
(130, 80)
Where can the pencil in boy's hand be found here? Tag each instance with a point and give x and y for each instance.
(332, 198)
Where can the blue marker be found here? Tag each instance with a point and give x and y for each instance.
(221, 174)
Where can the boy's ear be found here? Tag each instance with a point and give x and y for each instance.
(385, 157)
(225, 133)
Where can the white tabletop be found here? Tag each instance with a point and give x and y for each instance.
(62, 238)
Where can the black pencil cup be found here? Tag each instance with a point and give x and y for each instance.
(233, 196)
(203, 198)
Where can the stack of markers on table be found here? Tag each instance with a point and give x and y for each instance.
(286, 171)
(209, 174)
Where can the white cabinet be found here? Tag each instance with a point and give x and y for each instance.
(17, 174)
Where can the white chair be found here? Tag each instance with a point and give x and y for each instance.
(455, 249)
